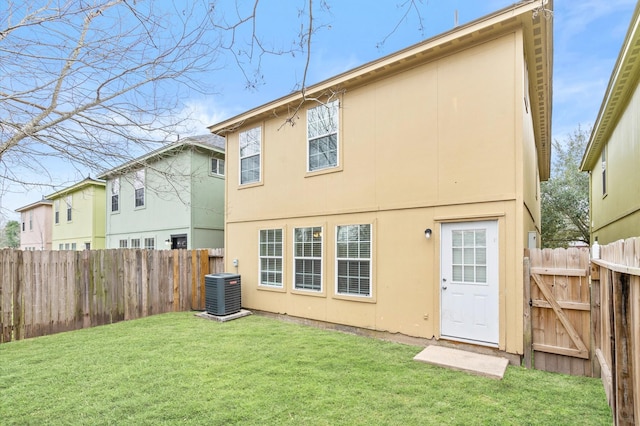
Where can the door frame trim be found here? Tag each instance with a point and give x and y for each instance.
(499, 218)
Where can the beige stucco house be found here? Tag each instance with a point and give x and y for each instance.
(35, 225)
(612, 157)
(399, 196)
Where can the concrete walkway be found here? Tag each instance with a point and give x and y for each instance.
(471, 362)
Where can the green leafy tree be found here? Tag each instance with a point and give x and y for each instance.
(565, 196)
(10, 235)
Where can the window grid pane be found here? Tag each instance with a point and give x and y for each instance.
(250, 147)
(322, 135)
(353, 258)
(271, 257)
(469, 256)
(308, 258)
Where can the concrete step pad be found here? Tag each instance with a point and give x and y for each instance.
(483, 365)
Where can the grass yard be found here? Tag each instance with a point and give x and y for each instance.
(180, 369)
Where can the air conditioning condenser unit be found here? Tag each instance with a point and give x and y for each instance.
(222, 294)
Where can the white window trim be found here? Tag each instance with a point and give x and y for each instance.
(337, 165)
(217, 171)
(145, 246)
(281, 257)
(321, 259)
(258, 154)
(604, 178)
(370, 259)
(115, 191)
(56, 212)
(140, 182)
(69, 210)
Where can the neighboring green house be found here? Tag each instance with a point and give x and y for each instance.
(612, 157)
(78, 216)
(171, 198)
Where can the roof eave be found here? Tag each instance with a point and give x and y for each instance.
(34, 205)
(441, 44)
(82, 184)
(622, 83)
(143, 160)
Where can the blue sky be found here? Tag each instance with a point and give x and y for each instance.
(588, 35)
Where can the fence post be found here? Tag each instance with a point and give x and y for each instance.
(624, 413)
(528, 341)
(596, 336)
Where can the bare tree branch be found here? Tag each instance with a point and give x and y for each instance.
(95, 83)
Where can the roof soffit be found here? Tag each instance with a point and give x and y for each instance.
(622, 84)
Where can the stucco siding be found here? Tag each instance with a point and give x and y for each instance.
(432, 135)
(405, 268)
(450, 140)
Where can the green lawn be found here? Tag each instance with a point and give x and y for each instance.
(182, 369)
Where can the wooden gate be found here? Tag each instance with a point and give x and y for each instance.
(557, 318)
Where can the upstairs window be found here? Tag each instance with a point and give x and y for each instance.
(322, 136)
(69, 201)
(250, 147)
(135, 243)
(603, 161)
(115, 195)
(138, 186)
(56, 210)
(30, 220)
(353, 260)
(123, 243)
(217, 166)
(308, 259)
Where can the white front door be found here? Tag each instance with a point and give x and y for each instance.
(469, 281)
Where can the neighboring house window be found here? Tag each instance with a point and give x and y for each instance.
(271, 257)
(69, 201)
(115, 195)
(30, 220)
(250, 146)
(322, 134)
(73, 246)
(123, 243)
(353, 260)
(138, 186)
(604, 170)
(308, 259)
(135, 243)
(87, 246)
(217, 166)
(66, 246)
(150, 243)
(56, 209)
(60, 246)
(23, 221)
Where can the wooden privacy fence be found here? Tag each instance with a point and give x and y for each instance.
(557, 311)
(615, 280)
(45, 292)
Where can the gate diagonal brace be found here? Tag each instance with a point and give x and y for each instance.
(573, 334)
